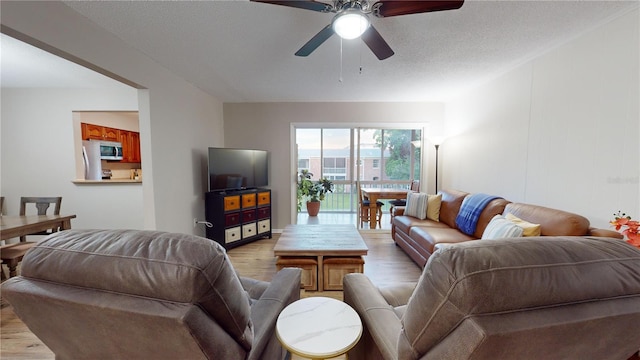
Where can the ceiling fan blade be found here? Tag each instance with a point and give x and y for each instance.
(376, 43)
(315, 41)
(301, 4)
(386, 8)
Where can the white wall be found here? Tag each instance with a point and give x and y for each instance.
(267, 126)
(177, 121)
(560, 131)
(39, 155)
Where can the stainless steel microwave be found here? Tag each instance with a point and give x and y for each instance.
(110, 150)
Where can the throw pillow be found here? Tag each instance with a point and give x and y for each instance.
(499, 228)
(528, 229)
(433, 207)
(416, 205)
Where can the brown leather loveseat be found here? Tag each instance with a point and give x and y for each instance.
(420, 238)
(123, 294)
(551, 298)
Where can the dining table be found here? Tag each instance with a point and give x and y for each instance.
(12, 226)
(375, 194)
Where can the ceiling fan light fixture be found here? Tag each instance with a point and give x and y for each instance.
(350, 24)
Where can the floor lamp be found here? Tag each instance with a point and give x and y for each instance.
(437, 147)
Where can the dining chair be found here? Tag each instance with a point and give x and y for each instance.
(41, 204)
(414, 186)
(12, 254)
(364, 208)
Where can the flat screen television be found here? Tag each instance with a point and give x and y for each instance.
(234, 169)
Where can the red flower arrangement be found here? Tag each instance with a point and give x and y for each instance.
(630, 228)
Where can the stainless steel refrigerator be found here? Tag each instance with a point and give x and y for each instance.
(91, 159)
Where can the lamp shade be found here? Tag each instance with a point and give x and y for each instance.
(437, 140)
(350, 24)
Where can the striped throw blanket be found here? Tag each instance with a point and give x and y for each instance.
(472, 206)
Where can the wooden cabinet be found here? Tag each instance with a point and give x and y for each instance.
(124, 140)
(97, 132)
(130, 146)
(110, 134)
(238, 217)
(130, 139)
(134, 148)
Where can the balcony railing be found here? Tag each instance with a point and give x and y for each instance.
(344, 197)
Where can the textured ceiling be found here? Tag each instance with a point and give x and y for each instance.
(241, 51)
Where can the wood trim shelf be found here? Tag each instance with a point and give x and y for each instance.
(106, 182)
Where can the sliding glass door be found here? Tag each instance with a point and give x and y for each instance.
(375, 156)
(388, 155)
(326, 153)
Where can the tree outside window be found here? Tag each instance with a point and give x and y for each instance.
(402, 154)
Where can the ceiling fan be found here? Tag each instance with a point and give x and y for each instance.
(351, 20)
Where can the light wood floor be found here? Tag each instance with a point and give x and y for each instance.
(385, 264)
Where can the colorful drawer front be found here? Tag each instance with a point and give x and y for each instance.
(231, 203)
(232, 234)
(263, 212)
(248, 216)
(264, 226)
(248, 230)
(264, 198)
(248, 201)
(231, 219)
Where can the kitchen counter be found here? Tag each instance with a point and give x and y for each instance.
(107, 182)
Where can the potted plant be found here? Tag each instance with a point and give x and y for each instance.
(312, 191)
(630, 228)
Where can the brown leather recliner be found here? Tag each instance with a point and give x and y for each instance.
(124, 294)
(526, 298)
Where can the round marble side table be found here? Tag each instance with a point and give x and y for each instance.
(318, 327)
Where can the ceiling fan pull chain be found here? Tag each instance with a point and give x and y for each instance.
(340, 79)
(360, 53)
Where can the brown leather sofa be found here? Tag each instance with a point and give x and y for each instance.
(532, 298)
(419, 238)
(122, 294)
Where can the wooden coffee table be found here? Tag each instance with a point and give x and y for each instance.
(322, 242)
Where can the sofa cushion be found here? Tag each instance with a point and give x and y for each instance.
(405, 223)
(416, 205)
(428, 237)
(500, 228)
(397, 294)
(433, 207)
(552, 222)
(528, 229)
(400, 310)
(451, 202)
